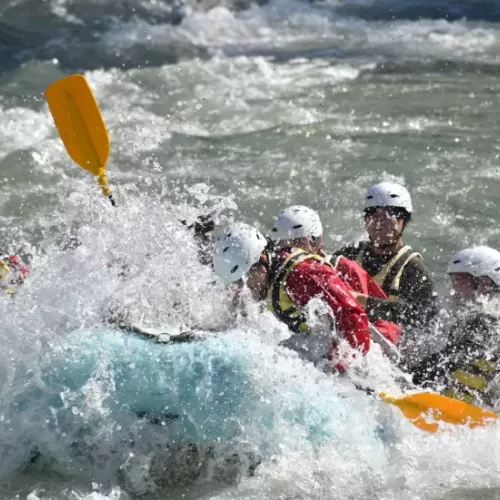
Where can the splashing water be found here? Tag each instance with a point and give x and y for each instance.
(239, 114)
(123, 410)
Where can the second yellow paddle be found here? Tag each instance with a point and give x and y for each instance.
(427, 410)
(81, 127)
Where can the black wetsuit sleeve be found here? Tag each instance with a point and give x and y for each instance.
(349, 252)
(417, 302)
(433, 370)
(467, 341)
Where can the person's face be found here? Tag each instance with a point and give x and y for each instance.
(383, 225)
(463, 286)
(257, 281)
(306, 244)
(316, 246)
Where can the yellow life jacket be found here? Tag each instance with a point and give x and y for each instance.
(389, 276)
(278, 301)
(469, 384)
(10, 275)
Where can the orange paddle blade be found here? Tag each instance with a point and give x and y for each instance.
(426, 410)
(79, 122)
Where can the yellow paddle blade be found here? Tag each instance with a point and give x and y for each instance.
(81, 127)
(426, 410)
(79, 122)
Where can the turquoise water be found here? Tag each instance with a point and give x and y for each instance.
(240, 110)
(203, 392)
(102, 396)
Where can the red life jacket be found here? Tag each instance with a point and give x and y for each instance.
(12, 273)
(360, 281)
(19, 265)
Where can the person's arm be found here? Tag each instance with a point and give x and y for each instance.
(202, 229)
(311, 279)
(432, 370)
(417, 299)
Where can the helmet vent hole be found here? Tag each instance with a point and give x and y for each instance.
(298, 226)
(234, 269)
(225, 250)
(457, 261)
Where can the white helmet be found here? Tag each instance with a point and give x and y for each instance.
(296, 222)
(477, 261)
(388, 194)
(236, 250)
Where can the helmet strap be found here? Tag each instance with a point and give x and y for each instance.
(389, 247)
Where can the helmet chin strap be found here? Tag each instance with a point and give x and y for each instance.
(388, 246)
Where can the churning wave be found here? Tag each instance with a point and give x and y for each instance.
(76, 34)
(481, 10)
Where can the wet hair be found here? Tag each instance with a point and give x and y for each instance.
(315, 239)
(202, 226)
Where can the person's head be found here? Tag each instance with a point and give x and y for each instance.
(298, 227)
(387, 211)
(202, 227)
(474, 272)
(239, 257)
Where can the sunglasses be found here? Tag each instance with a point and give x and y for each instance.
(397, 212)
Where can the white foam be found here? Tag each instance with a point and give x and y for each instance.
(23, 128)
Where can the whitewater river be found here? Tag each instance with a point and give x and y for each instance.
(241, 110)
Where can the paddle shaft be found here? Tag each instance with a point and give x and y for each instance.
(388, 348)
